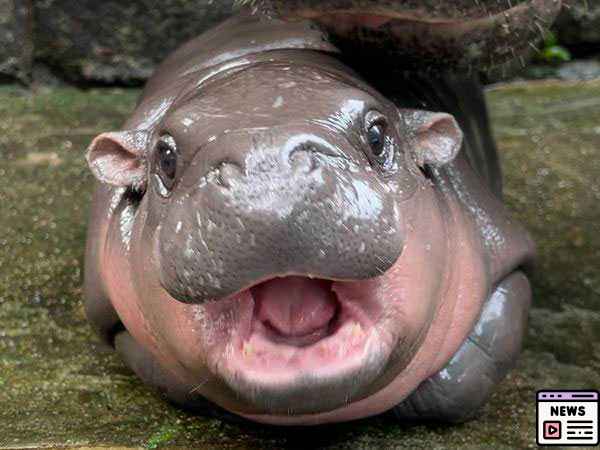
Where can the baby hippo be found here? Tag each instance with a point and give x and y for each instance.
(272, 237)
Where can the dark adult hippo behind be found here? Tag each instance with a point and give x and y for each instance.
(427, 36)
(272, 234)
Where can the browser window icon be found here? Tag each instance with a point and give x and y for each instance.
(567, 418)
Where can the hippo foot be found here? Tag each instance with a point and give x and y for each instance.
(463, 386)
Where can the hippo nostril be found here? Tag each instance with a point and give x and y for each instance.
(303, 160)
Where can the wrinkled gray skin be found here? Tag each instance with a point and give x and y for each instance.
(454, 393)
(428, 36)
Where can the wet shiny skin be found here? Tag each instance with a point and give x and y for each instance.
(275, 177)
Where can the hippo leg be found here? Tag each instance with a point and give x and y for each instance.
(456, 392)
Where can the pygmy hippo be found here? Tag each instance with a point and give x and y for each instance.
(273, 237)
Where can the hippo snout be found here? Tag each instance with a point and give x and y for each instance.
(255, 204)
(258, 161)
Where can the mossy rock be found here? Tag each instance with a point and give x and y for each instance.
(578, 26)
(8, 59)
(116, 42)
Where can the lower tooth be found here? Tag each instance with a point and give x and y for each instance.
(357, 330)
(247, 349)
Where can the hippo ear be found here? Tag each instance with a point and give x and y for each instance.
(437, 137)
(118, 158)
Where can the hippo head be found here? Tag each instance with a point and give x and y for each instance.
(462, 35)
(282, 247)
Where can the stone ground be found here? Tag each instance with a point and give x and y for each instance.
(60, 388)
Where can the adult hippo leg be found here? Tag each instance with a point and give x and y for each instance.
(456, 392)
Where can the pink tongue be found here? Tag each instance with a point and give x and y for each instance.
(295, 306)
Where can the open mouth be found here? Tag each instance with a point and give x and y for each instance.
(301, 323)
(309, 344)
(305, 334)
(295, 311)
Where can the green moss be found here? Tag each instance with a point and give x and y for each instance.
(59, 386)
(549, 142)
(166, 434)
(553, 52)
(557, 331)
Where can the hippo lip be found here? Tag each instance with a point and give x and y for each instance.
(376, 15)
(346, 20)
(373, 19)
(366, 18)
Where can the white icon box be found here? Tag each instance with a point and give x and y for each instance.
(568, 418)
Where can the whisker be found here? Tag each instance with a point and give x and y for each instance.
(198, 387)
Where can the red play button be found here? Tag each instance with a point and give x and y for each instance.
(551, 430)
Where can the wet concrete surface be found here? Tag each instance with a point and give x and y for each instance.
(60, 387)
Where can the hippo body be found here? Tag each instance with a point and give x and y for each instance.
(272, 237)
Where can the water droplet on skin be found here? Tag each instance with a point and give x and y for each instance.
(278, 103)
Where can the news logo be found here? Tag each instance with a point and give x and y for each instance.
(568, 418)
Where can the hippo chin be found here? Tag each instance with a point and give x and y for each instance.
(272, 234)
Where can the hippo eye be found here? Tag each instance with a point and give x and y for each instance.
(376, 138)
(376, 135)
(166, 160)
